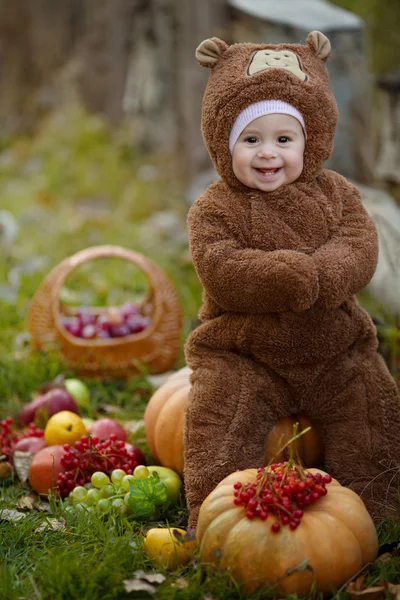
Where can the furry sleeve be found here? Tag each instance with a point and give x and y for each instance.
(347, 262)
(240, 278)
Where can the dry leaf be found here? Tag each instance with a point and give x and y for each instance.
(26, 502)
(41, 506)
(134, 426)
(110, 409)
(358, 592)
(22, 462)
(150, 577)
(384, 558)
(8, 514)
(181, 583)
(138, 585)
(394, 590)
(51, 525)
(143, 581)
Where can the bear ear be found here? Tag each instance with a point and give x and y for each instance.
(319, 43)
(210, 51)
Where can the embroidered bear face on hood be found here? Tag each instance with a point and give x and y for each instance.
(243, 74)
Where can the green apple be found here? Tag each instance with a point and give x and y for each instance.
(171, 480)
(79, 391)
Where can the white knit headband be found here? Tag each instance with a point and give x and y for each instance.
(259, 109)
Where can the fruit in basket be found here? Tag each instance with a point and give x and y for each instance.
(103, 428)
(48, 404)
(45, 469)
(64, 427)
(114, 322)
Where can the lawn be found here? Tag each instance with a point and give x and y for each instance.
(78, 184)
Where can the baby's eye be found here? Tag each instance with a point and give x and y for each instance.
(251, 139)
(283, 139)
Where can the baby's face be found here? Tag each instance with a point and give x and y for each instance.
(269, 152)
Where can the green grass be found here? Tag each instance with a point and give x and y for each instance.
(77, 184)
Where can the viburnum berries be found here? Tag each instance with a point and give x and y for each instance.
(283, 490)
(89, 455)
(9, 437)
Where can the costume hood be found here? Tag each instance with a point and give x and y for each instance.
(242, 74)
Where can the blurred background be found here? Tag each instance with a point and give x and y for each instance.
(100, 136)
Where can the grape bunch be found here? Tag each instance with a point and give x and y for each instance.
(283, 490)
(121, 493)
(9, 437)
(115, 322)
(89, 455)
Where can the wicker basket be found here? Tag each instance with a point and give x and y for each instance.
(154, 349)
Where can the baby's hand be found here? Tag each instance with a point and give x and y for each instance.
(304, 283)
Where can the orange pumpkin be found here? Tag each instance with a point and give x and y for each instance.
(336, 536)
(163, 423)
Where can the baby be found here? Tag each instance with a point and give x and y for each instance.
(281, 247)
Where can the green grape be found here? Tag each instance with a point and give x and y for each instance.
(125, 482)
(103, 505)
(117, 476)
(107, 491)
(141, 472)
(119, 505)
(100, 479)
(126, 498)
(79, 507)
(93, 496)
(78, 494)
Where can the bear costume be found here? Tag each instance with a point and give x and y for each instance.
(281, 331)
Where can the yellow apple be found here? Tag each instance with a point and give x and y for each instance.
(168, 546)
(65, 427)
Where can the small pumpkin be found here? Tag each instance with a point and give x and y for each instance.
(335, 538)
(163, 424)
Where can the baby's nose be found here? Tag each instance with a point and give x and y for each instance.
(267, 151)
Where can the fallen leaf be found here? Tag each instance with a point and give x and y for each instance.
(26, 502)
(110, 409)
(22, 462)
(150, 577)
(143, 581)
(7, 514)
(180, 583)
(5, 469)
(394, 590)
(138, 585)
(51, 525)
(384, 558)
(357, 590)
(134, 426)
(41, 506)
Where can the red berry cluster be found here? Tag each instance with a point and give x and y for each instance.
(115, 322)
(9, 437)
(283, 490)
(90, 454)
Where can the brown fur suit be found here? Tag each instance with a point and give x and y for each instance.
(281, 330)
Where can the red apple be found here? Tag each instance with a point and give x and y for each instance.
(48, 404)
(45, 468)
(30, 444)
(135, 452)
(103, 428)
